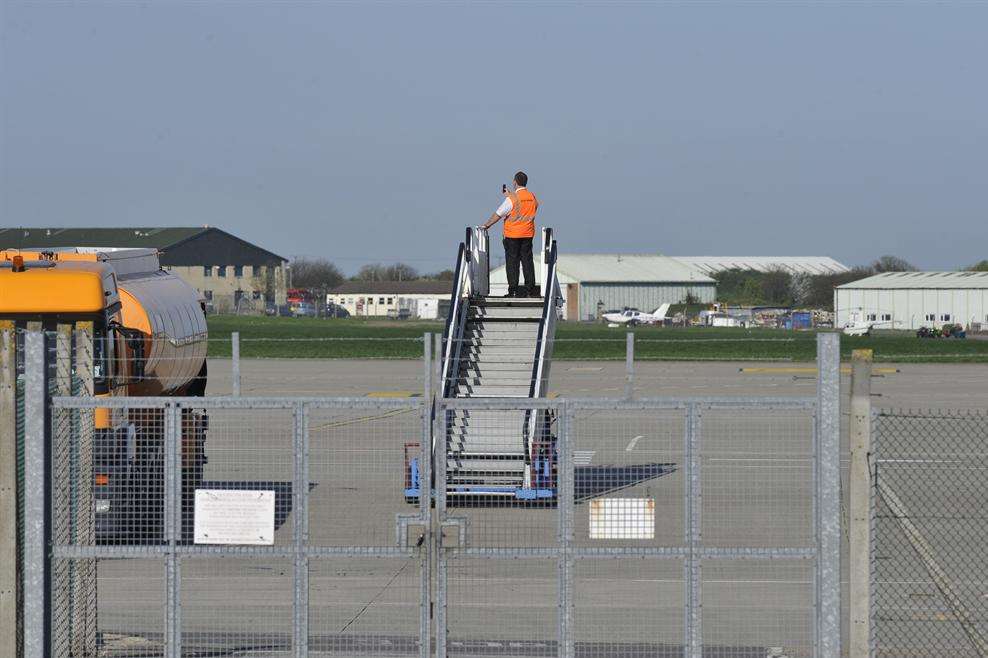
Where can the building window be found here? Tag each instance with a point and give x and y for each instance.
(886, 317)
(256, 294)
(238, 271)
(349, 300)
(221, 270)
(391, 300)
(945, 317)
(207, 270)
(380, 300)
(872, 317)
(931, 317)
(208, 294)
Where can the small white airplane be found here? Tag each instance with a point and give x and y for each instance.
(856, 327)
(633, 316)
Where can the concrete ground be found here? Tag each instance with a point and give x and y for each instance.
(910, 386)
(756, 469)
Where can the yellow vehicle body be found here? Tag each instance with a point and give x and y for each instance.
(114, 289)
(149, 339)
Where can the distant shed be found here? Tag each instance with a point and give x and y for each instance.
(910, 300)
(614, 281)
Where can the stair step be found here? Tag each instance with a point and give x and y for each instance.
(507, 301)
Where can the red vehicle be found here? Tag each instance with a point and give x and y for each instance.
(296, 296)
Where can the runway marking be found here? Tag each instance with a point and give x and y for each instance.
(760, 459)
(811, 371)
(921, 461)
(633, 443)
(583, 457)
(363, 419)
(392, 394)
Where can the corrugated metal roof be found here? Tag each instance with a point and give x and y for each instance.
(914, 280)
(621, 268)
(791, 264)
(150, 237)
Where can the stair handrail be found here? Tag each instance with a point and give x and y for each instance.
(453, 331)
(478, 244)
(547, 324)
(547, 328)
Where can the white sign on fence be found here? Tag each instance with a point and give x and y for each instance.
(622, 518)
(225, 516)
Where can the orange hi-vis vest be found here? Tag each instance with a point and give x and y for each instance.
(520, 223)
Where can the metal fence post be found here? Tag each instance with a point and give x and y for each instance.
(629, 365)
(300, 502)
(859, 507)
(827, 470)
(35, 521)
(425, 500)
(694, 535)
(235, 361)
(566, 564)
(8, 492)
(438, 452)
(172, 524)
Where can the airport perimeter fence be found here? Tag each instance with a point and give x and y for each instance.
(322, 526)
(929, 533)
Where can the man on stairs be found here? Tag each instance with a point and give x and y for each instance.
(518, 212)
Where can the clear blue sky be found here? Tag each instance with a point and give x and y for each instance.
(377, 132)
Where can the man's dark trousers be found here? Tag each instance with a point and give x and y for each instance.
(518, 251)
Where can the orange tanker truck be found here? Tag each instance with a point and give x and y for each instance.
(149, 339)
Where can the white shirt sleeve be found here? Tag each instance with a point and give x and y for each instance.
(505, 208)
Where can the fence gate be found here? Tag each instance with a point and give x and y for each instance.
(329, 575)
(680, 527)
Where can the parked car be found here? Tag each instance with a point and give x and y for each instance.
(336, 311)
(305, 310)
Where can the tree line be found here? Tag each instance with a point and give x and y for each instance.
(736, 287)
(322, 275)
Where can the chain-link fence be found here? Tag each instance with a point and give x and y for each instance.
(930, 525)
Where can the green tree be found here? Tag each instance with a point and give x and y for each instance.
(776, 287)
(981, 266)
(821, 289)
(892, 264)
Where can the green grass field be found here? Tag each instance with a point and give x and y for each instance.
(263, 337)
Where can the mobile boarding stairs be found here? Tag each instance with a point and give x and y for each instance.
(495, 347)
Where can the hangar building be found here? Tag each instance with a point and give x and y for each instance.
(613, 281)
(910, 300)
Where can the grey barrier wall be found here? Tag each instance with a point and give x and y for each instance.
(929, 530)
(693, 526)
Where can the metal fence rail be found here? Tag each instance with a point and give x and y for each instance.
(930, 522)
(688, 526)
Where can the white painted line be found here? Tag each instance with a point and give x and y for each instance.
(760, 459)
(633, 443)
(922, 461)
(583, 457)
